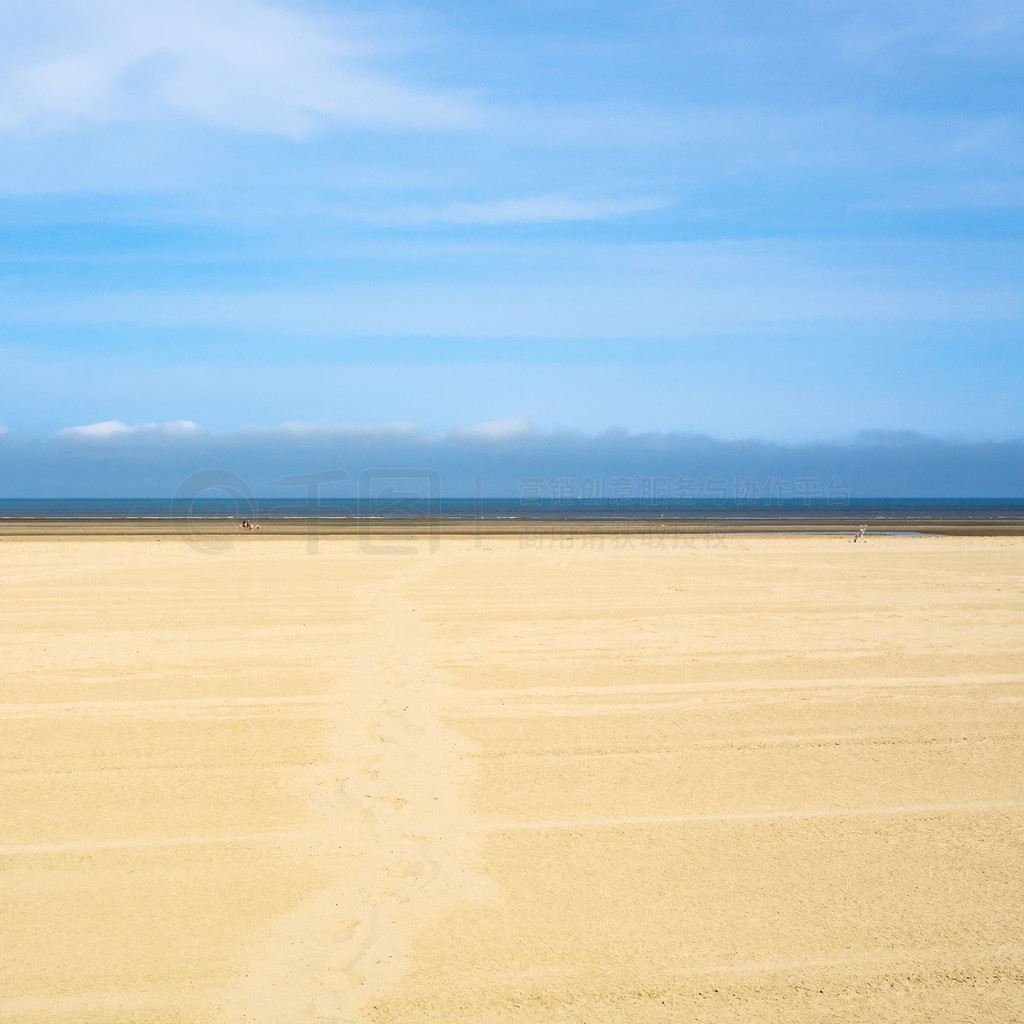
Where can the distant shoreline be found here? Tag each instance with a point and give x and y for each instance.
(454, 526)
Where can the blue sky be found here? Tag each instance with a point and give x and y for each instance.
(789, 222)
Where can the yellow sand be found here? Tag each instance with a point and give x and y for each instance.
(511, 779)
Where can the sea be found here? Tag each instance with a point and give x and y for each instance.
(418, 507)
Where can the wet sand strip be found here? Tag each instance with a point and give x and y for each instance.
(26, 528)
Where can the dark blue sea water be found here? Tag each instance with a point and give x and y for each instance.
(405, 507)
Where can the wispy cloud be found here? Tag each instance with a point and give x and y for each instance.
(963, 195)
(668, 290)
(544, 209)
(245, 65)
(883, 31)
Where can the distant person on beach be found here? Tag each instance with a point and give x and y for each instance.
(860, 534)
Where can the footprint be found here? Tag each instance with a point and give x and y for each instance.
(340, 981)
(411, 876)
(393, 741)
(346, 929)
(326, 1006)
(354, 809)
(398, 802)
(428, 870)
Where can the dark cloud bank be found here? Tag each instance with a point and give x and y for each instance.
(154, 462)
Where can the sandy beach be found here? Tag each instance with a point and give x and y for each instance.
(427, 779)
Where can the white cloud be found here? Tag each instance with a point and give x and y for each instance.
(4, 430)
(115, 428)
(108, 428)
(529, 210)
(241, 64)
(496, 430)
